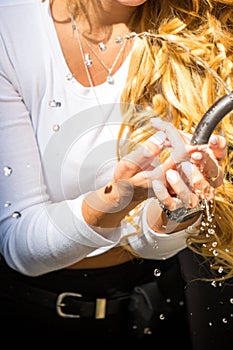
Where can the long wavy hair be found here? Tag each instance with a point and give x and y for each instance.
(182, 62)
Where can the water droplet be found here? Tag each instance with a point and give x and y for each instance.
(168, 300)
(155, 246)
(181, 302)
(7, 171)
(54, 103)
(213, 284)
(220, 270)
(210, 323)
(69, 76)
(231, 300)
(215, 253)
(224, 320)
(16, 215)
(56, 127)
(157, 272)
(7, 204)
(162, 317)
(147, 330)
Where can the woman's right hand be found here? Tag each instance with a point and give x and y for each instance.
(131, 171)
(106, 207)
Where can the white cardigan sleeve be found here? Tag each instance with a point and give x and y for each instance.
(36, 235)
(154, 245)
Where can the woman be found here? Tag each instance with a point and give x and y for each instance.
(91, 244)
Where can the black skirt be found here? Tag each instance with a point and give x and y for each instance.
(141, 301)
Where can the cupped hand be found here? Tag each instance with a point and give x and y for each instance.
(191, 172)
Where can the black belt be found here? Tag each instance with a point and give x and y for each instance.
(66, 304)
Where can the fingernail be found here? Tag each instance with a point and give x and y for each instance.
(196, 156)
(172, 176)
(213, 140)
(157, 186)
(187, 168)
(158, 138)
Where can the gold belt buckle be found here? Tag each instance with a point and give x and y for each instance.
(100, 307)
(60, 304)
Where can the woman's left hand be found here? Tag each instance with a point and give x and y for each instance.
(199, 166)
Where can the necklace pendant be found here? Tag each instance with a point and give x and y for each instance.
(110, 80)
(102, 47)
(87, 60)
(118, 39)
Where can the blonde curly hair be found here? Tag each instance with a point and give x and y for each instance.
(181, 66)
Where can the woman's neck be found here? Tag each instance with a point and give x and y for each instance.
(107, 12)
(100, 19)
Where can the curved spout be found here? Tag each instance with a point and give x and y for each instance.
(211, 118)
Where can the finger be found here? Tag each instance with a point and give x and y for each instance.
(180, 189)
(141, 158)
(209, 167)
(164, 196)
(218, 145)
(155, 142)
(179, 151)
(195, 180)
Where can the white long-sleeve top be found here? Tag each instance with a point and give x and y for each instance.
(57, 143)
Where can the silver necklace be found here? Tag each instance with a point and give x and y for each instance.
(103, 47)
(105, 112)
(87, 58)
(74, 27)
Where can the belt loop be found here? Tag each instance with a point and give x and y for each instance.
(100, 309)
